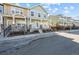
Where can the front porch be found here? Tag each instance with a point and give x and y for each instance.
(16, 23)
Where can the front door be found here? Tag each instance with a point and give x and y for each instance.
(9, 22)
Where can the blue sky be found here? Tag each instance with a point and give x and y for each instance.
(68, 9)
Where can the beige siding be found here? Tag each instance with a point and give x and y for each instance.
(20, 21)
(7, 9)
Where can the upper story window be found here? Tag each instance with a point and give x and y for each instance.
(39, 15)
(1, 9)
(13, 10)
(32, 13)
(17, 11)
(21, 12)
(44, 16)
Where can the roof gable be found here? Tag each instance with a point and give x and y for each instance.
(39, 8)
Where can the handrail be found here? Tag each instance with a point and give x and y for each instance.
(7, 30)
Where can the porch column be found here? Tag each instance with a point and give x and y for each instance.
(25, 23)
(13, 23)
(13, 19)
(30, 17)
(30, 20)
(1, 23)
(1, 20)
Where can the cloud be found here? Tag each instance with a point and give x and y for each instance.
(27, 4)
(66, 11)
(66, 8)
(46, 5)
(53, 11)
(59, 4)
(49, 9)
(56, 9)
(72, 7)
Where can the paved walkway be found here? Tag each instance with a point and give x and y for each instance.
(27, 36)
(75, 37)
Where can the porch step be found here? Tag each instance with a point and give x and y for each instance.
(40, 31)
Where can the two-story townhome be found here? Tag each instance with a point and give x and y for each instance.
(38, 16)
(16, 16)
(19, 18)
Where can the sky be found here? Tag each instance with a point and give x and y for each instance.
(67, 9)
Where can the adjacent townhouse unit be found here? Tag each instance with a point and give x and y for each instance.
(38, 16)
(53, 19)
(61, 22)
(15, 16)
(59, 19)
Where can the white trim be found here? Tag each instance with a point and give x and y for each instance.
(13, 19)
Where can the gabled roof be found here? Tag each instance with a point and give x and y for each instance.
(41, 8)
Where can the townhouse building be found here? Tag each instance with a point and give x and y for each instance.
(59, 19)
(39, 16)
(15, 16)
(20, 18)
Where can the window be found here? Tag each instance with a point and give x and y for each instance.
(1, 9)
(21, 12)
(17, 12)
(44, 16)
(39, 15)
(32, 13)
(13, 10)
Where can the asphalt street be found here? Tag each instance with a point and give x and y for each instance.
(51, 45)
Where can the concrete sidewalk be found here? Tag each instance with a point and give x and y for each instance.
(75, 37)
(26, 36)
